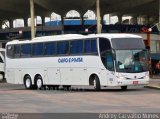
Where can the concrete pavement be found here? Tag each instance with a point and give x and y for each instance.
(154, 83)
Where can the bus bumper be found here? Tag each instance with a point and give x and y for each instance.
(132, 82)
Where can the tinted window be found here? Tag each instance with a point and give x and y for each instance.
(76, 47)
(90, 46)
(94, 45)
(17, 51)
(63, 47)
(50, 48)
(37, 49)
(26, 50)
(104, 44)
(10, 51)
(87, 46)
(127, 43)
(1, 60)
(109, 61)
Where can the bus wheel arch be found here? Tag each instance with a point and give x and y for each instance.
(94, 81)
(38, 81)
(27, 81)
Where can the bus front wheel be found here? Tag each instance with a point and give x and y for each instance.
(96, 83)
(39, 82)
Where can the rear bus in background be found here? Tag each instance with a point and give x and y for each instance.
(2, 64)
(66, 60)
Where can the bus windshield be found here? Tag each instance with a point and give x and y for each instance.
(131, 61)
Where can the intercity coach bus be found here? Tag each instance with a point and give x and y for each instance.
(64, 60)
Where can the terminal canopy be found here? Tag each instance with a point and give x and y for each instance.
(11, 9)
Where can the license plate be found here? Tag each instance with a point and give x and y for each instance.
(135, 82)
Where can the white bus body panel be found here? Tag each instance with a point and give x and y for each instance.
(55, 72)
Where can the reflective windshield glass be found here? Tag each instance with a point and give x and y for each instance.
(131, 61)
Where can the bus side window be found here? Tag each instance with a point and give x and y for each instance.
(50, 48)
(87, 46)
(37, 49)
(90, 46)
(76, 47)
(94, 46)
(17, 51)
(62, 48)
(10, 51)
(26, 50)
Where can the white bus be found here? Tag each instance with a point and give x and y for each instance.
(2, 63)
(66, 60)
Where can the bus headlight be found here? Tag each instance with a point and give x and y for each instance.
(121, 77)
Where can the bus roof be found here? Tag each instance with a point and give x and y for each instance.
(75, 36)
(116, 35)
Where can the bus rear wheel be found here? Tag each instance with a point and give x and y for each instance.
(96, 83)
(27, 82)
(124, 87)
(39, 82)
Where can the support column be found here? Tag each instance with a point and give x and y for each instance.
(109, 19)
(135, 20)
(43, 20)
(10, 23)
(82, 20)
(120, 19)
(102, 22)
(147, 20)
(62, 23)
(141, 20)
(32, 19)
(1, 24)
(98, 16)
(25, 22)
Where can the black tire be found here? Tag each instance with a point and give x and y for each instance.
(39, 82)
(123, 87)
(96, 83)
(28, 82)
